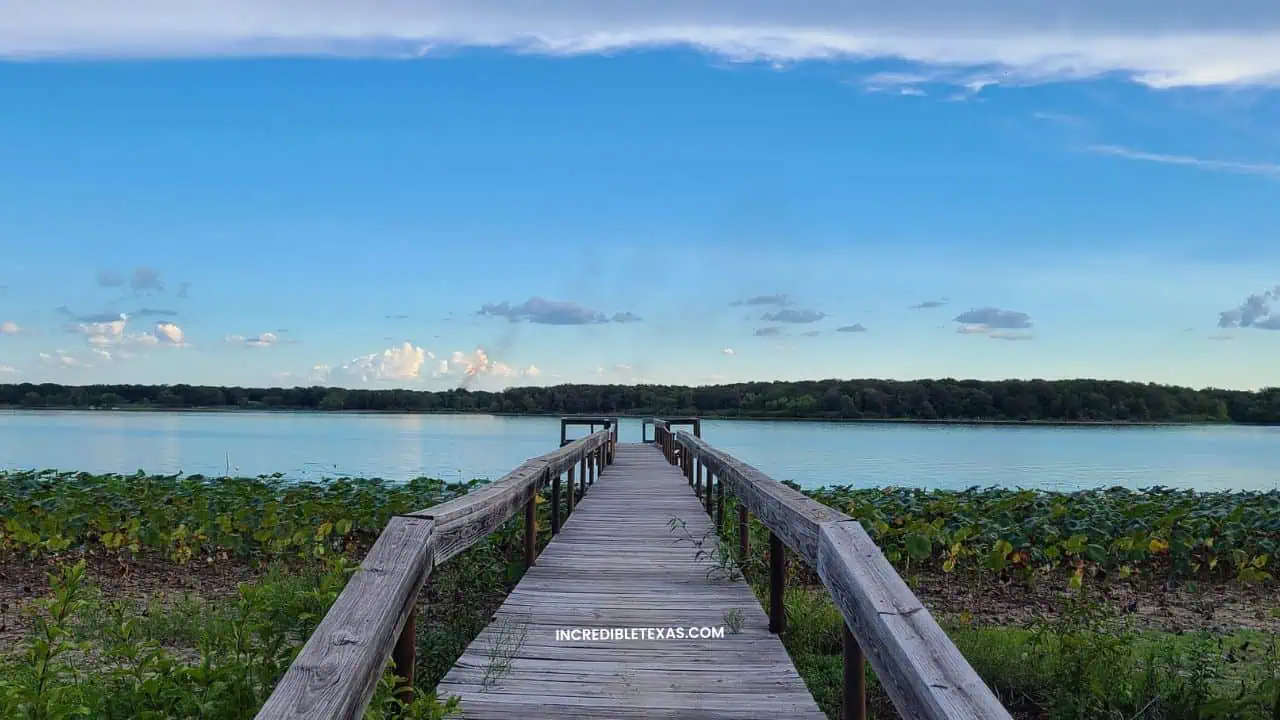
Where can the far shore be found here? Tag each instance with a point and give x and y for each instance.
(637, 416)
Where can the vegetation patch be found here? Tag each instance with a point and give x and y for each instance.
(188, 597)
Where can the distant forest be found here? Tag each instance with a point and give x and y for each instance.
(1003, 400)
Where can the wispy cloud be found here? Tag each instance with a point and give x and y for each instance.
(553, 312)
(728, 351)
(9, 327)
(929, 304)
(854, 328)
(1230, 166)
(264, 340)
(793, 316)
(1149, 41)
(768, 332)
(779, 299)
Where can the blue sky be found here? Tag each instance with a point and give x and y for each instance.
(389, 195)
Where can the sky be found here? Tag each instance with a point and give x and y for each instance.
(487, 194)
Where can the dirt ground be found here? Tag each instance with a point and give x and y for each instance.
(1218, 607)
(1212, 606)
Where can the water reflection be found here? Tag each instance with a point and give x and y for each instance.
(459, 447)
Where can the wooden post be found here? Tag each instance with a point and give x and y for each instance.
(710, 480)
(696, 481)
(555, 505)
(573, 492)
(777, 584)
(855, 678)
(530, 530)
(744, 534)
(405, 653)
(720, 504)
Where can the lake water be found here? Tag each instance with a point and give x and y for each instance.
(399, 447)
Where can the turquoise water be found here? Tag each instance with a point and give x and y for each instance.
(398, 447)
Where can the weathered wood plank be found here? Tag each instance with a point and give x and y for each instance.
(335, 674)
(793, 517)
(617, 563)
(919, 667)
(465, 521)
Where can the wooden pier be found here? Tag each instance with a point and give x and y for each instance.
(619, 563)
(694, 642)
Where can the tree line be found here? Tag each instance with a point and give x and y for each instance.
(945, 399)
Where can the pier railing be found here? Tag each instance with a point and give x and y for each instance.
(336, 672)
(922, 672)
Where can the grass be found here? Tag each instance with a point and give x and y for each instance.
(1084, 657)
(208, 587)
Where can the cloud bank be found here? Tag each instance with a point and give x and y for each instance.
(1152, 42)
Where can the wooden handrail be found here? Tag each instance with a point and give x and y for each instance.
(336, 672)
(920, 668)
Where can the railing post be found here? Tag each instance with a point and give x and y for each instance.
(405, 653)
(573, 492)
(855, 678)
(720, 504)
(744, 533)
(696, 481)
(777, 584)
(555, 505)
(530, 530)
(582, 468)
(709, 494)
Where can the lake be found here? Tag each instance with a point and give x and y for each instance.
(398, 447)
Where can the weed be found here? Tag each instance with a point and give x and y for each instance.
(733, 619)
(508, 638)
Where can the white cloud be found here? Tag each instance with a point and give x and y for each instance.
(728, 351)
(9, 327)
(61, 358)
(1231, 166)
(168, 333)
(408, 362)
(1152, 42)
(102, 333)
(398, 363)
(266, 339)
(8, 370)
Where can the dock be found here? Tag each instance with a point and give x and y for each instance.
(636, 607)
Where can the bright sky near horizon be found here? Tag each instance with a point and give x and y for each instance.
(408, 194)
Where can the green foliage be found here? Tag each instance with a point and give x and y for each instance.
(198, 518)
(1160, 532)
(945, 399)
(90, 658)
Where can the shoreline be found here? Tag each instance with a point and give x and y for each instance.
(639, 416)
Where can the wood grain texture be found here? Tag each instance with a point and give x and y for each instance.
(923, 672)
(617, 563)
(919, 667)
(335, 674)
(787, 512)
(465, 521)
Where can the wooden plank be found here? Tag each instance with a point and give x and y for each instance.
(919, 667)
(335, 674)
(788, 513)
(617, 563)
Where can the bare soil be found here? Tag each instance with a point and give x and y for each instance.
(1211, 606)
